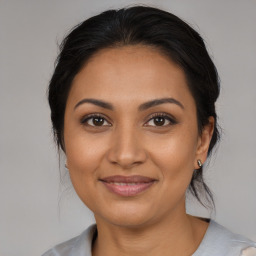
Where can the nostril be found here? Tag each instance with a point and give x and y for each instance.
(126, 148)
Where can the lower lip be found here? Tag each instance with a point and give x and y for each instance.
(128, 190)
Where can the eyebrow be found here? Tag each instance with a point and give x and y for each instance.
(142, 107)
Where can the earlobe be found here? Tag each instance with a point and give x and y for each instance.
(204, 141)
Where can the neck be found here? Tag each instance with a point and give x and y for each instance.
(178, 235)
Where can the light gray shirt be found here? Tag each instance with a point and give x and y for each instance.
(218, 241)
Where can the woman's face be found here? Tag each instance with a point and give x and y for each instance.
(131, 136)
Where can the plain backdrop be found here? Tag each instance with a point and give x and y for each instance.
(36, 211)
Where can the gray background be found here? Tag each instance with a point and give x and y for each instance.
(36, 210)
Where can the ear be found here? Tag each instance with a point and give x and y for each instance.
(204, 142)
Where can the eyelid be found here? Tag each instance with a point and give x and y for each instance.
(85, 118)
(169, 117)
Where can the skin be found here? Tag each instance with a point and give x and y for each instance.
(130, 142)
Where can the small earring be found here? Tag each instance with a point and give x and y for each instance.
(66, 166)
(199, 163)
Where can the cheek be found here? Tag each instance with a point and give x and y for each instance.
(84, 154)
(174, 153)
(174, 156)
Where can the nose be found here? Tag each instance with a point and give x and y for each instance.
(126, 149)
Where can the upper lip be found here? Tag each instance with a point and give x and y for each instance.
(128, 179)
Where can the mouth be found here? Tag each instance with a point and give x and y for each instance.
(127, 185)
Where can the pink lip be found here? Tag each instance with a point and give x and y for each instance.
(127, 185)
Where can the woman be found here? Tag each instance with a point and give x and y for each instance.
(133, 108)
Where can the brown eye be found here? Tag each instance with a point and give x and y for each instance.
(161, 120)
(95, 120)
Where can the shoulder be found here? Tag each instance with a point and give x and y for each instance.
(80, 245)
(219, 241)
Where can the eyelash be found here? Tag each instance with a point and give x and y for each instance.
(167, 117)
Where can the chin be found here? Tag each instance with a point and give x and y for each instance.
(125, 216)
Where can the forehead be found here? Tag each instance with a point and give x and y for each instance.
(130, 73)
